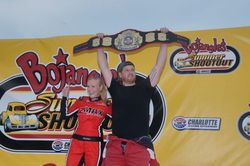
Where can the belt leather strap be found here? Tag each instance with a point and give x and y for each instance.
(87, 138)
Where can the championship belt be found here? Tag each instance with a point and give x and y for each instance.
(131, 39)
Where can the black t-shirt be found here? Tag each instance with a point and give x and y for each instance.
(130, 112)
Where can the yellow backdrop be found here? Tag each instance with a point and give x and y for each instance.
(204, 91)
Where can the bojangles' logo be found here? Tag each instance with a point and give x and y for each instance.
(198, 46)
(201, 58)
(57, 74)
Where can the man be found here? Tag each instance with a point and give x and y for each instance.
(130, 143)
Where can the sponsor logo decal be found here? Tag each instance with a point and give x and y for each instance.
(202, 58)
(244, 125)
(196, 123)
(60, 145)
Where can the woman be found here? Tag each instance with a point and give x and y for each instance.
(87, 139)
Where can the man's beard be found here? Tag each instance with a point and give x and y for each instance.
(130, 79)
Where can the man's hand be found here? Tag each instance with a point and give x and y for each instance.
(65, 91)
(103, 63)
(100, 35)
(164, 30)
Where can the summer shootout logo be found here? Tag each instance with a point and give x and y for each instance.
(30, 116)
(205, 58)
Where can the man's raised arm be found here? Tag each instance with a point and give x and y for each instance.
(103, 64)
(160, 63)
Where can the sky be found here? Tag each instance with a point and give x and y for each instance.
(49, 18)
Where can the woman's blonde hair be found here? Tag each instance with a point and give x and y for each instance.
(103, 93)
